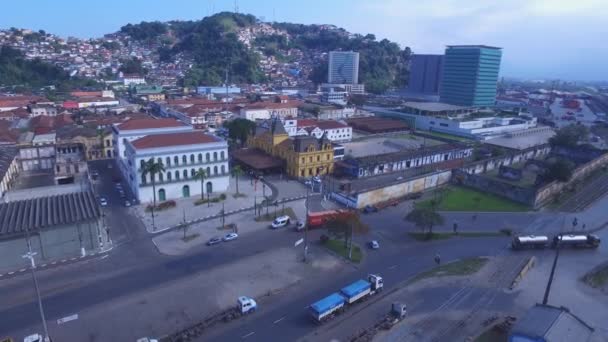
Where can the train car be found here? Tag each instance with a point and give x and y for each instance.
(529, 241)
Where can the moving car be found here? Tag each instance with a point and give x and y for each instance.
(230, 237)
(103, 202)
(33, 338)
(280, 221)
(300, 225)
(374, 244)
(214, 240)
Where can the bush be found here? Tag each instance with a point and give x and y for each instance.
(324, 238)
(507, 231)
(222, 197)
(162, 206)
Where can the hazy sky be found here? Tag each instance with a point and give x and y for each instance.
(563, 39)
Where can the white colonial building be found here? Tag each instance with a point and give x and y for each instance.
(137, 128)
(335, 131)
(181, 154)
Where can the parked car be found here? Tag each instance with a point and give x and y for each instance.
(122, 194)
(369, 209)
(230, 237)
(300, 225)
(103, 202)
(214, 240)
(33, 338)
(127, 203)
(374, 244)
(280, 221)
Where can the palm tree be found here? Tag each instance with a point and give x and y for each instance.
(201, 174)
(152, 167)
(237, 171)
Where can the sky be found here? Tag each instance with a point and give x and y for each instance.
(548, 39)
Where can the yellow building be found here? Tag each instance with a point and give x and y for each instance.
(304, 156)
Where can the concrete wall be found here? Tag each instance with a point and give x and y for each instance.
(515, 193)
(409, 186)
(52, 244)
(514, 158)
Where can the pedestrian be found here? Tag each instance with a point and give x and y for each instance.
(455, 228)
(584, 226)
(437, 259)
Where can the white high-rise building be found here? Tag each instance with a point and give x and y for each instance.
(343, 67)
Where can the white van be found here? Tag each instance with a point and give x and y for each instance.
(280, 221)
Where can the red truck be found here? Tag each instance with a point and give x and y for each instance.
(320, 218)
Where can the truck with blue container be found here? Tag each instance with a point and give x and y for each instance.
(335, 303)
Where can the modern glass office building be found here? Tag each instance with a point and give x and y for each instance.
(425, 74)
(343, 67)
(470, 75)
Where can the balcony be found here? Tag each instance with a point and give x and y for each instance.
(182, 165)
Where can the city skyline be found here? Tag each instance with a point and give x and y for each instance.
(528, 31)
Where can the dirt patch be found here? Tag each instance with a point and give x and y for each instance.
(597, 278)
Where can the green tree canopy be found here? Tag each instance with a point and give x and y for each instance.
(424, 218)
(560, 170)
(569, 136)
(133, 66)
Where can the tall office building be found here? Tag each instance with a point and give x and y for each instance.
(343, 67)
(470, 75)
(425, 74)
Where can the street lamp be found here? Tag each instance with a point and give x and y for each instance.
(30, 255)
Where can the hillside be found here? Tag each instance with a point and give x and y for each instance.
(16, 71)
(251, 51)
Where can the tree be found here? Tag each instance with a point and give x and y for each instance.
(560, 170)
(133, 66)
(357, 100)
(569, 136)
(237, 171)
(152, 167)
(347, 226)
(202, 175)
(424, 218)
(240, 129)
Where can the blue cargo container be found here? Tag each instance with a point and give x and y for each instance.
(356, 290)
(327, 306)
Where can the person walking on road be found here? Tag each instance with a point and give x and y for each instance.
(437, 259)
(455, 228)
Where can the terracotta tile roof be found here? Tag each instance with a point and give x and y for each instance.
(271, 105)
(173, 139)
(149, 123)
(307, 123)
(330, 124)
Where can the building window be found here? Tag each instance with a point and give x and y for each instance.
(310, 172)
(303, 160)
(208, 171)
(192, 158)
(184, 160)
(58, 168)
(318, 158)
(215, 170)
(175, 160)
(168, 161)
(222, 155)
(176, 175)
(302, 173)
(143, 179)
(185, 174)
(200, 157)
(223, 169)
(160, 161)
(161, 177)
(142, 164)
(169, 176)
(208, 157)
(214, 156)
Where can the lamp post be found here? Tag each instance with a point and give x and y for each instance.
(306, 228)
(30, 255)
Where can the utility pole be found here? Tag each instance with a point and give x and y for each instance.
(30, 255)
(306, 228)
(223, 217)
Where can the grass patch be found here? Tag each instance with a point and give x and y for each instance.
(338, 247)
(458, 198)
(191, 237)
(239, 195)
(218, 199)
(446, 235)
(597, 278)
(273, 214)
(493, 335)
(457, 268)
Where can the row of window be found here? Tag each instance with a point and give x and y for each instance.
(184, 174)
(184, 159)
(327, 157)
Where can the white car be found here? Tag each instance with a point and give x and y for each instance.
(280, 221)
(300, 225)
(374, 244)
(230, 237)
(33, 338)
(127, 203)
(103, 202)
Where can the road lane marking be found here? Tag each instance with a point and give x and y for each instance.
(43, 265)
(251, 333)
(392, 267)
(278, 320)
(11, 273)
(54, 263)
(22, 270)
(103, 257)
(67, 319)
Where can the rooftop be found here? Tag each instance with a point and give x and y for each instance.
(523, 139)
(552, 323)
(330, 124)
(44, 212)
(473, 46)
(433, 106)
(174, 139)
(149, 123)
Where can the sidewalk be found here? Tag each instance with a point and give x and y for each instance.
(173, 243)
(251, 193)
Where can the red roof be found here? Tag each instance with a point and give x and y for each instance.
(272, 105)
(173, 139)
(330, 124)
(149, 123)
(307, 123)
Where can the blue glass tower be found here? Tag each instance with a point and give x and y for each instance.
(470, 75)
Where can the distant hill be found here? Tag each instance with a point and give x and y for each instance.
(231, 42)
(16, 71)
